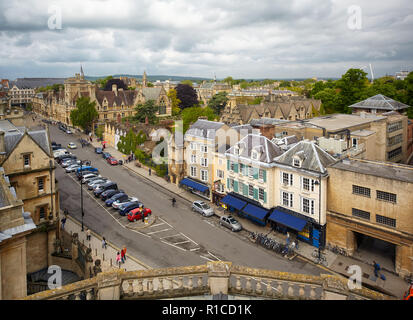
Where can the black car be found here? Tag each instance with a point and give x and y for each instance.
(81, 174)
(109, 193)
(124, 211)
(109, 185)
(106, 155)
(59, 159)
(98, 150)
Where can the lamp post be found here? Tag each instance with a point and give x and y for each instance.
(318, 183)
(81, 192)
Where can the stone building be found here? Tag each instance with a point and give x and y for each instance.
(370, 201)
(207, 90)
(247, 96)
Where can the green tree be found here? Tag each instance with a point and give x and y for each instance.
(409, 89)
(102, 82)
(188, 82)
(330, 99)
(229, 80)
(191, 115)
(148, 109)
(175, 102)
(150, 85)
(285, 84)
(84, 114)
(128, 144)
(352, 85)
(218, 102)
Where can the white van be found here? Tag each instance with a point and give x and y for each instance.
(60, 152)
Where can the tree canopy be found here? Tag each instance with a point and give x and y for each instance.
(191, 115)
(218, 102)
(148, 109)
(187, 95)
(175, 101)
(84, 114)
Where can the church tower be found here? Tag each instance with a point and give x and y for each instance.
(144, 80)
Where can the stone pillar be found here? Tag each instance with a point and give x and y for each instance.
(334, 288)
(218, 275)
(89, 264)
(404, 260)
(51, 241)
(351, 242)
(75, 244)
(109, 285)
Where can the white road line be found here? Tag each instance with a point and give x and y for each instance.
(170, 244)
(155, 225)
(189, 239)
(158, 231)
(206, 258)
(165, 222)
(210, 223)
(170, 236)
(194, 249)
(214, 256)
(181, 242)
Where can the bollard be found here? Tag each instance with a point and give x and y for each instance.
(103, 256)
(110, 261)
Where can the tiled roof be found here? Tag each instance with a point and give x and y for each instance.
(204, 129)
(151, 93)
(126, 97)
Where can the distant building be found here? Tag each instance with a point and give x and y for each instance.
(208, 89)
(379, 104)
(401, 75)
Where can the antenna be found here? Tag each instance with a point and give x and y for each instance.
(372, 74)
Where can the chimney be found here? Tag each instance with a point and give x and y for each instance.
(115, 89)
(2, 145)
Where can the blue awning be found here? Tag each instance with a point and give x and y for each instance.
(194, 185)
(288, 220)
(255, 211)
(233, 202)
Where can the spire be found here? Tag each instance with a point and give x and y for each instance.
(81, 72)
(144, 79)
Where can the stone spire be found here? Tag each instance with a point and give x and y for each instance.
(82, 76)
(144, 80)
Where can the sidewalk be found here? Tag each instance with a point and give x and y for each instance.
(337, 264)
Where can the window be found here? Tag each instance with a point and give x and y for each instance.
(261, 194)
(40, 184)
(220, 174)
(236, 151)
(232, 166)
(354, 142)
(26, 159)
(386, 221)
(250, 171)
(193, 171)
(261, 174)
(204, 162)
(254, 155)
(297, 163)
(204, 175)
(204, 148)
(162, 109)
(42, 212)
(287, 178)
(394, 126)
(360, 214)
(193, 146)
(250, 190)
(308, 184)
(386, 196)
(193, 158)
(394, 153)
(231, 183)
(361, 191)
(287, 199)
(395, 140)
(308, 206)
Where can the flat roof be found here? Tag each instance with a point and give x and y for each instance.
(337, 122)
(392, 171)
(362, 133)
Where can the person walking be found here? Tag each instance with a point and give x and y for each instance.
(104, 244)
(150, 171)
(173, 202)
(124, 253)
(122, 256)
(376, 269)
(88, 234)
(118, 259)
(63, 221)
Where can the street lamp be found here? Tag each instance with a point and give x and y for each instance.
(81, 191)
(318, 183)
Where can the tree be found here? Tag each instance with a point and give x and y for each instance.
(229, 80)
(128, 144)
(285, 84)
(218, 102)
(188, 82)
(150, 85)
(175, 102)
(409, 89)
(330, 99)
(351, 85)
(191, 115)
(187, 95)
(102, 82)
(84, 114)
(148, 109)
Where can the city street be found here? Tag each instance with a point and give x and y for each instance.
(178, 237)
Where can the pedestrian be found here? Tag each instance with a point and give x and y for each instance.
(104, 244)
(124, 253)
(118, 259)
(288, 238)
(88, 234)
(150, 171)
(122, 256)
(376, 269)
(63, 221)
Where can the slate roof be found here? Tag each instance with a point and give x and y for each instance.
(151, 93)
(32, 83)
(380, 102)
(254, 142)
(127, 97)
(313, 157)
(204, 129)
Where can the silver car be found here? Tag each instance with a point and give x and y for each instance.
(69, 162)
(117, 204)
(202, 208)
(97, 183)
(72, 168)
(89, 176)
(230, 223)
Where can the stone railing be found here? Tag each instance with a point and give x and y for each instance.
(211, 279)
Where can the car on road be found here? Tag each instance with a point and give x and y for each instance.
(98, 150)
(119, 203)
(105, 195)
(230, 223)
(95, 183)
(106, 155)
(202, 208)
(119, 196)
(108, 185)
(136, 214)
(67, 162)
(59, 153)
(72, 145)
(69, 131)
(124, 210)
(72, 168)
(112, 161)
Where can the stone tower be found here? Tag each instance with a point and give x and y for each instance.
(144, 80)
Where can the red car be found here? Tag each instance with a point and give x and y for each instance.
(136, 214)
(112, 161)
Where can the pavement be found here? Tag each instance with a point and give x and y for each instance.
(337, 264)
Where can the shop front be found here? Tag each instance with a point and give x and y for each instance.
(196, 187)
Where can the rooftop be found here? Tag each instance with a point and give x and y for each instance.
(386, 170)
(380, 102)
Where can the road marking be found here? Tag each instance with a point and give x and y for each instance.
(170, 236)
(170, 244)
(206, 258)
(159, 231)
(209, 222)
(189, 239)
(194, 249)
(156, 225)
(214, 256)
(181, 242)
(165, 222)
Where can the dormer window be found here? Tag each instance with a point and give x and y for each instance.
(296, 162)
(254, 155)
(236, 151)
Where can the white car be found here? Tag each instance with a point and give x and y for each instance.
(202, 208)
(72, 145)
(72, 168)
(92, 184)
(68, 131)
(118, 203)
(60, 152)
(89, 176)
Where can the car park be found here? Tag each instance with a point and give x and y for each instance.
(72, 168)
(122, 203)
(202, 208)
(94, 184)
(112, 161)
(230, 223)
(98, 150)
(108, 185)
(136, 214)
(119, 196)
(124, 210)
(105, 195)
(72, 145)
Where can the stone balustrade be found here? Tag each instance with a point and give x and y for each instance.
(213, 278)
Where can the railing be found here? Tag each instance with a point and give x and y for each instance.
(213, 278)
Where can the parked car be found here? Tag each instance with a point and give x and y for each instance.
(81, 174)
(136, 214)
(87, 177)
(124, 210)
(106, 155)
(56, 147)
(87, 168)
(104, 187)
(105, 195)
(72, 168)
(230, 222)
(69, 131)
(67, 162)
(119, 196)
(72, 145)
(59, 153)
(118, 203)
(64, 157)
(112, 161)
(94, 184)
(98, 150)
(202, 208)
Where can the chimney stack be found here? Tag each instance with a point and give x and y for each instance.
(115, 89)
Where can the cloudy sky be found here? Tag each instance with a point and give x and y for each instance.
(238, 38)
